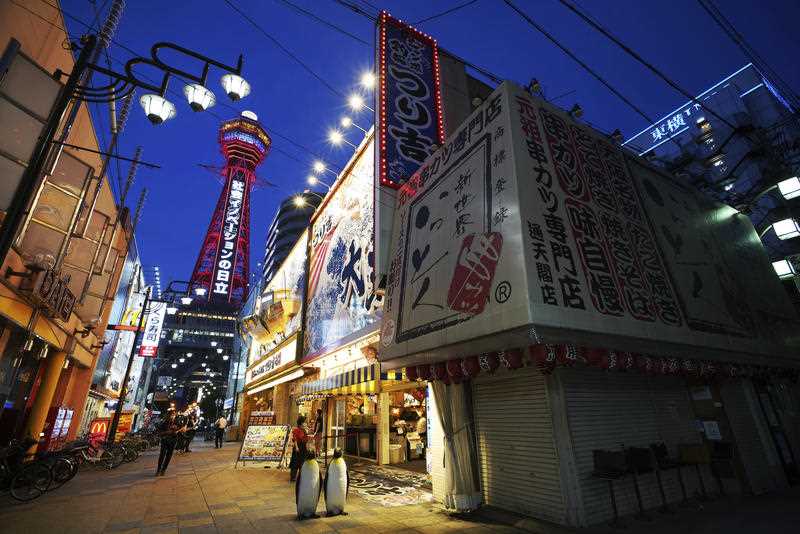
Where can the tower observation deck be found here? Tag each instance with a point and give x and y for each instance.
(222, 267)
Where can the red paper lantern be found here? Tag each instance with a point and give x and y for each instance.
(488, 362)
(424, 372)
(411, 372)
(610, 361)
(470, 367)
(418, 394)
(670, 366)
(544, 357)
(708, 369)
(645, 364)
(689, 367)
(594, 356)
(730, 370)
(439, 371)
(566, 355)
(627, 361)
(511, 359)
(454, 370)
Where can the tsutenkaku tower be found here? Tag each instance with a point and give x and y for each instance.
(223, 264)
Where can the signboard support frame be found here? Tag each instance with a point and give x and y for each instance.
(123, 392)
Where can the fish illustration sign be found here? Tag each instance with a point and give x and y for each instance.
(525, 223)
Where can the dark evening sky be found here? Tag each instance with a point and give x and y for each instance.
(677, 36)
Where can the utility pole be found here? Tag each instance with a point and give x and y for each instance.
(27, 186)
(112, 430)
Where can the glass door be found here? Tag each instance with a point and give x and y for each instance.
(338, 430)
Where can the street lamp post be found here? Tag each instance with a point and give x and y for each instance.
(121, 86)
(112, 429)
(314, 180)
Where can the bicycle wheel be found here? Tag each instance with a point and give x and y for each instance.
(63, 470)
(130, 454)
(113, 457)
(31, 481)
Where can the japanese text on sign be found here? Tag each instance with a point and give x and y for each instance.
(152, 329)
(230, 234)
(410, 121)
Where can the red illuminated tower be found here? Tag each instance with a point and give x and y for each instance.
(223, 264)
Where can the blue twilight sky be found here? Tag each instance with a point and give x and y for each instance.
(676, 35)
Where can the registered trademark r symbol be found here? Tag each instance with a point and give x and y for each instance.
(502, 292)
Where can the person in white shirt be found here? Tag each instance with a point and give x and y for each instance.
(219, 431)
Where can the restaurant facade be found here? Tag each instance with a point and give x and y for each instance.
(600, 339)
(62, 272)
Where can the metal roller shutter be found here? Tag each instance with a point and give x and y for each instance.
(611, 410)
(759, 459)
(519, 465)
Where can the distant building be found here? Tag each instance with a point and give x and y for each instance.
(750, 160)
(286, 227)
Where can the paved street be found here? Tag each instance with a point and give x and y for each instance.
(203, 493)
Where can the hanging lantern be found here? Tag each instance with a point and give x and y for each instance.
(627, 361)
(645, 364)
(689, 367)
(411, 373)
(470, 367)
(454, 370)
(488, 362)
(424, 372)
(594, 356)
(511, 359)
(566, 355)
(418, 394)
(730, 370)
(439, 371)
(610, 361)
(708, 369)
(670, 366)
(543, 356)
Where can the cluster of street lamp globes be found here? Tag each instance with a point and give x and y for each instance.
(158, 109)
(356, 102)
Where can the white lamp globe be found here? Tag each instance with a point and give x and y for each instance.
(157, 108)
(199, 97)
(235, 86)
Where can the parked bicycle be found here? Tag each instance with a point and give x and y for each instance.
(24, 480)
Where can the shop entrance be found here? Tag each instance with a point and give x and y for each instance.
(408, 428)
(338, 426)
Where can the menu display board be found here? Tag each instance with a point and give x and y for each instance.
(264, 441)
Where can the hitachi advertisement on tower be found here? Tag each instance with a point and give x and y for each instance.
(526, 226)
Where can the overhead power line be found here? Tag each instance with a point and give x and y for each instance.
(285, 50)
(628, 50)
(374, 18)
(446, 12)
(730, 30)
(321, 20)
(577, 60)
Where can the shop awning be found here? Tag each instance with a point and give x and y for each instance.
(362, 380)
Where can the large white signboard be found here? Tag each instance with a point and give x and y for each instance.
(152, 329)
(525, 218)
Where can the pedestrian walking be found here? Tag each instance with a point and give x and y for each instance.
(169, 432)
(191, 430)
(299, 447)
(219, 431)
(319, 432)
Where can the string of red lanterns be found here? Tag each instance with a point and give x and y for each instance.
(547, 357)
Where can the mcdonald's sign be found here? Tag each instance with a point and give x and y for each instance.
(100, 425)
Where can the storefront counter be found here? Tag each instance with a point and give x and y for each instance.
(361, 441)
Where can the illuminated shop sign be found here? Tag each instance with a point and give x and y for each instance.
(152, 329)
(409, 100)
(226, 257)
(280, 358)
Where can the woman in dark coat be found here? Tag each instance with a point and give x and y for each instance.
(299, 447)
